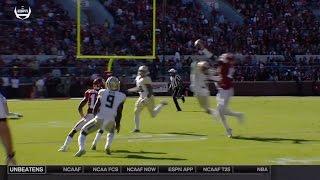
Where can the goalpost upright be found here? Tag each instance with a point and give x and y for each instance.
(114, 57)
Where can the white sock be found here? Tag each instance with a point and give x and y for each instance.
(96, 139)
(137, 121)
(110, 138)
(81, 141)
(214, 113)
(222, 117)
(224, 122)
(156, 110)
(67, 141)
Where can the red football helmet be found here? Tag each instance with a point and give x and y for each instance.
(227, 58)
(98, 84)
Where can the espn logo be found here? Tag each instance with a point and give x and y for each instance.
(22, 12)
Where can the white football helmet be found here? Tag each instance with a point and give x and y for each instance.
(113, 84)
(143, 70)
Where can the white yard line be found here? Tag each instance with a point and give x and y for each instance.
(295, 161)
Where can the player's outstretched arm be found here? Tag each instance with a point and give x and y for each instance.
(133, 90)
(119, 116)
(200, 45)
(97, 106)
(81, 105)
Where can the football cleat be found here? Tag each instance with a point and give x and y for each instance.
(164, 103)
(108, 151)
(63, 149)
(136, 131)
(19, 115)
(11, 162)
(229, 133)
(93, 147)
(80, 153)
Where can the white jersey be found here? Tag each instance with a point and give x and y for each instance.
(110, 101)
(199, 81)
(141, 84)
(3, 113)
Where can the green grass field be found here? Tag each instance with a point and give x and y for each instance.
(278, 130)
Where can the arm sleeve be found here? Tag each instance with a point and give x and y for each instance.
(119, 111)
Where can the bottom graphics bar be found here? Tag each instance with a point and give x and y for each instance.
(159, 172)
(174, 170)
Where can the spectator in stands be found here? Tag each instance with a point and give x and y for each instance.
(40, 88)
(15, 84)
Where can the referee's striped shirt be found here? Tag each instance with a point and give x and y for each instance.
(175, 81)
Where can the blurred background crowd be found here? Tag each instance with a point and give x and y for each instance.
(270, 27)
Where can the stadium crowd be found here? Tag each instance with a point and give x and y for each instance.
(270, 27)
(277, 27)
(131, 34)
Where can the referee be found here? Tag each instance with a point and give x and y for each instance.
(176, 88)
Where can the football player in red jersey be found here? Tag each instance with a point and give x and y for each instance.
(223, 81)
(225, 90)
(90, 97)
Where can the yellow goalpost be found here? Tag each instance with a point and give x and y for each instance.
(80, 56)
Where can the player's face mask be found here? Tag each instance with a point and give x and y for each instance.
(142, 73)
(96, 87)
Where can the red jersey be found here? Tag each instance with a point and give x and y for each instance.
(226, 71)
(91, 97)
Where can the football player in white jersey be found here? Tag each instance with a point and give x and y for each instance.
(146, 98)
(108, 114)
(200, 76)
(201, 73)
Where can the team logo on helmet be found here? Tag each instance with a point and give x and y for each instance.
(22, 12)
(113, 84)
